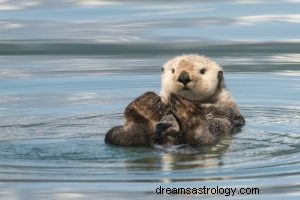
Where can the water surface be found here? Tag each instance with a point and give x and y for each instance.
(55, 111)
(66, 78)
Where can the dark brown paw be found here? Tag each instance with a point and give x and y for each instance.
(161, 129)
(182, 108)
(148, 106)
(166, 135)
(167, 132)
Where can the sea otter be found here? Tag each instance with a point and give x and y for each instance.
(193, 108)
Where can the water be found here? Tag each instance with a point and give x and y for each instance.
(55, 111)
(63, 85)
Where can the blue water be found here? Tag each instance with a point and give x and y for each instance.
(55, 111)
(66, 78)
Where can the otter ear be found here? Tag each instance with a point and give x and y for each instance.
(220, 75)
(221, 83)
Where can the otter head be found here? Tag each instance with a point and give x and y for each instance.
(194, 77)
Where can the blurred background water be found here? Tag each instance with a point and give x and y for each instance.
(68, 69)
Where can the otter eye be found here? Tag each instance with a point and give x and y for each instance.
(162, 70)
(202, 71)
(173, 70)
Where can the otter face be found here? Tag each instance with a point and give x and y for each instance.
(191, 76)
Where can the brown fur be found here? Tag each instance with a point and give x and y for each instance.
(141, 116)
(204, 125)
(205, 113)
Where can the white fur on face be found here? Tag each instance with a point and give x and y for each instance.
(201, 87)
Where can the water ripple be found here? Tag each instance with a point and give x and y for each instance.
(87, 159)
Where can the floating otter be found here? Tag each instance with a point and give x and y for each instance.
(193, 108)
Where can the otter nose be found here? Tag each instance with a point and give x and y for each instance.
(184, 78)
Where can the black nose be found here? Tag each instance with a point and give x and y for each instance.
(184, 78)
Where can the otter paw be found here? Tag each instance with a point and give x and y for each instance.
(160, 130)
(148, 106)
(181, 107)
(167, 132)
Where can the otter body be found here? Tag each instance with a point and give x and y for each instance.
(193, 108)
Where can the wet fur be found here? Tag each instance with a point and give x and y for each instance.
(204, 125)
(141, 116)
(197, 116)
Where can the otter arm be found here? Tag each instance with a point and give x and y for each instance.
(192, 122)
(141, 115)
(204, 124)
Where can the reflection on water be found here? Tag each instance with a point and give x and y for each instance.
(64, 86)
